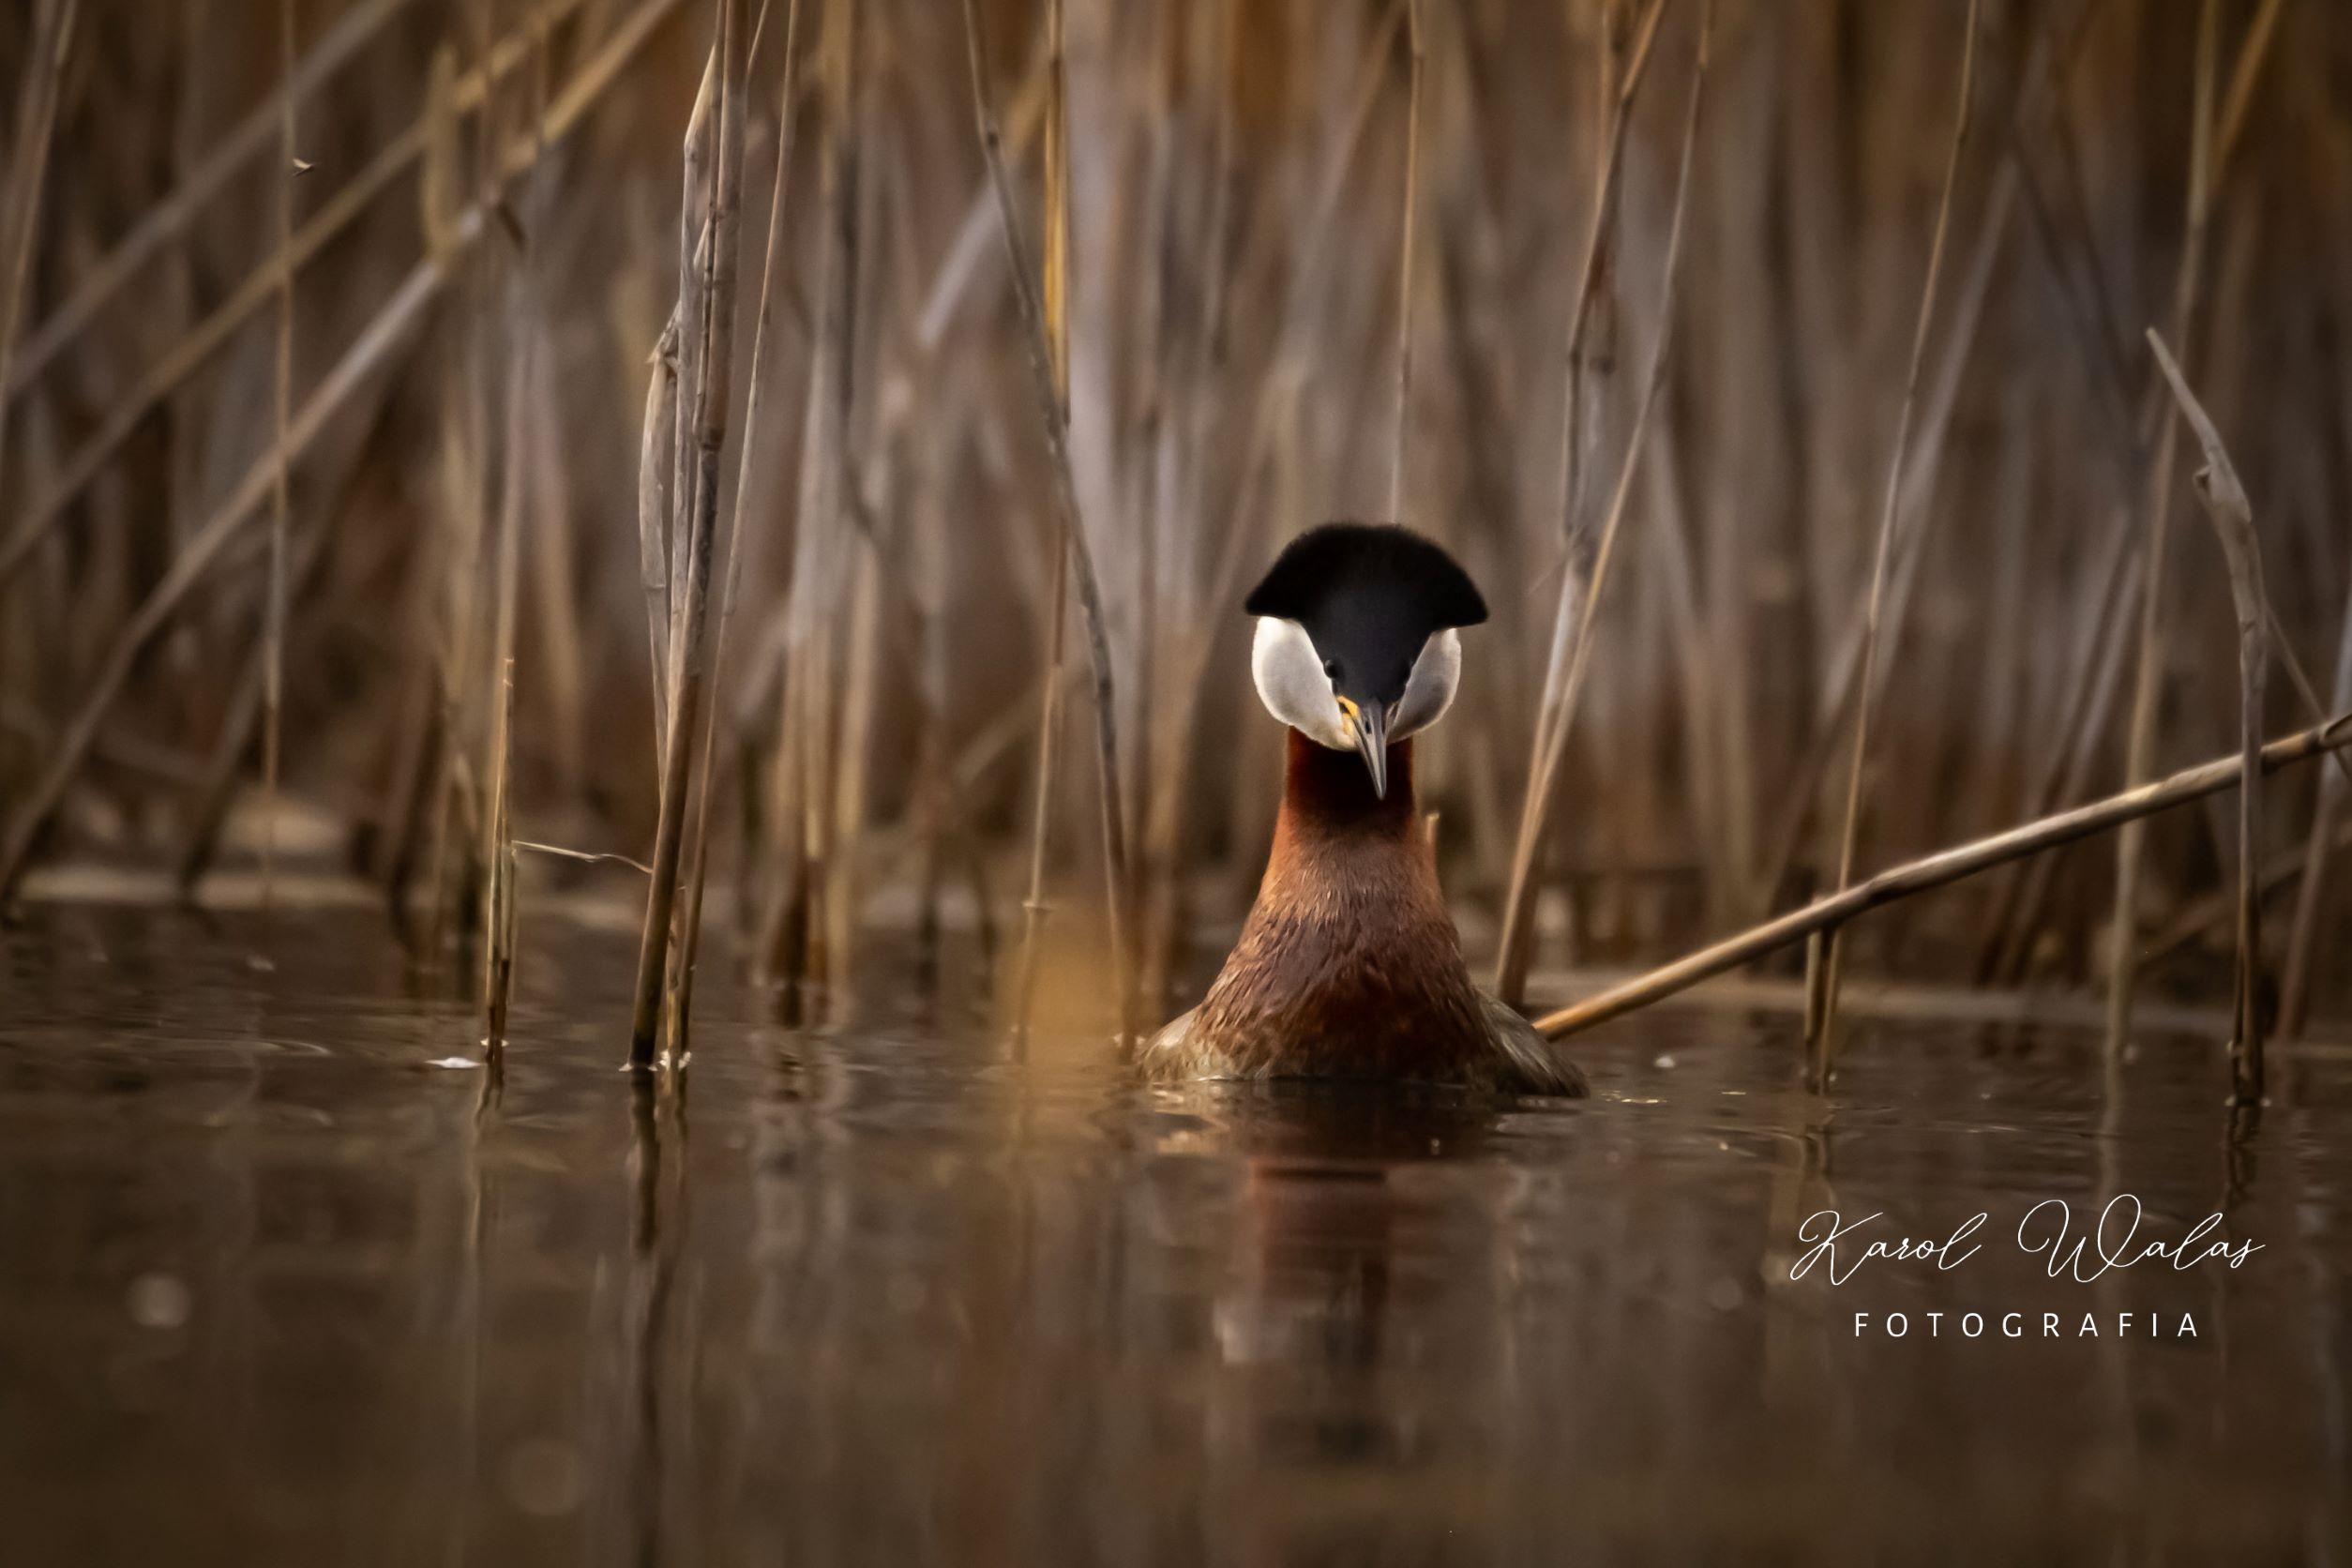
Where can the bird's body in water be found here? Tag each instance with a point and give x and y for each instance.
(1349, 965)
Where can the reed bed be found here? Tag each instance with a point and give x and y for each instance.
(1781, 370)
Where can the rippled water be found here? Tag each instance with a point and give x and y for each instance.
(278, 1287)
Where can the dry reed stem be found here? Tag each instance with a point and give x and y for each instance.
(698, 853)
(168, 219)
(694, 216)
(1589, 275)
(706, 306)
(797, 926)
(281, 482)
(2014, 919)
(1837, 694)
(1935, 870)
(1057, 263)
(208, 337)
(1033, 905)
(2311, 897)
(1830, 710)
(1048, 383)
(2201, 917)
(498, 887)
(2224, 500)
(1405, 269)
(1821, 959)
(1571, 654)
(522, 400)
(225, 768)
(2140, 736)
(20, 222)
(367, 355)
(369, 352)
(657, 445)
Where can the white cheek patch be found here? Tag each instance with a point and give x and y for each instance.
(1292, 682)
(1429, 689)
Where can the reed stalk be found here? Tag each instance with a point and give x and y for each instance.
(697, 871)
(1048, 354)
(706, 307)
(657, 457)
(334, 216)
(1821, 956)
(1572, 648)
(1605, 203)
(2140, 736)
(281, 482)
(96, 284)
(378, 344)
(2232, 514)
(1405, 268)
(20, 220)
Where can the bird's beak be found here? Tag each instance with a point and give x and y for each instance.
(1372, 743)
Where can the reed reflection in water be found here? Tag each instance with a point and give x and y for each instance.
(276, 1285)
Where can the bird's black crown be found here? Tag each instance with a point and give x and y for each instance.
(1369, 595)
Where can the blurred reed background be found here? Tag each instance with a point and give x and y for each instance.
(482, 200)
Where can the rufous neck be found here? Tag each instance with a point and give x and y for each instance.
(1331, 791)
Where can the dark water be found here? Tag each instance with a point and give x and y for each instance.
(277, 1288)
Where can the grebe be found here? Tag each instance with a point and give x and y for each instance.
(1348, 966)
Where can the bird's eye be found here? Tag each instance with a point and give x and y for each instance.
(1330, 668)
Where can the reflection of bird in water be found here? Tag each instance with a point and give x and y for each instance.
(1353, 1321)
(1348, 966)
(1322, 1210)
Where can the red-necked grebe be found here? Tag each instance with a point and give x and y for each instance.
(1348, 966)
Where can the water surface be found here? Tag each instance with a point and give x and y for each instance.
(285, 1279)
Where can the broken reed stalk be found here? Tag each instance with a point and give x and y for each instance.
(694, 215)
(1936, 870)
(197, 347)
(370, 353)
(656, 454)
(20, 222)
(680, 983)
(1405, 268)
(1821, 956)
(2224, 500)
(706, 307)
(282, 481)
(1054, 407)
(2148, 678)
(1572, 637)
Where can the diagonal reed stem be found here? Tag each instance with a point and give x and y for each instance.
(368, 354)
(1936, 870)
